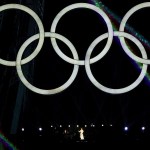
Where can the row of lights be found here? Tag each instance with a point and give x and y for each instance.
(142, 128)
(92, 125)
(40, 129)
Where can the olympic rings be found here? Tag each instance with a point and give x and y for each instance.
(41, 32)
(122, 26)
(110, 90)
(88, 6)
(75, 60)
(41, 91)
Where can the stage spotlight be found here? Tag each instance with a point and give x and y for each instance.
(92, 125)
(22, 129)
(143, 128)
(40, 129)
(126, 128)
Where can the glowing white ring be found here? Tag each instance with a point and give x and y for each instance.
(41, 33)
(88, 6)
(104, 88)
(42, 91)
(122, 26)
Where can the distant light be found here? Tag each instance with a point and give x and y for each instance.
(91, 125)
(40, 129)
(60, 126)
(126, 128)
(111, 125)
(69, 126)
(85, 126)
(22, 129)
(77, 126)
(143, 128)
(51, 126)
(102, 125)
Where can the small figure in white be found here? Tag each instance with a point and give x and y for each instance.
(81, 131)
(65, 131)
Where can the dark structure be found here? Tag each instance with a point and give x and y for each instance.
(13, 100)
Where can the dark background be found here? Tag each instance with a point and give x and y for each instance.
(82, 103)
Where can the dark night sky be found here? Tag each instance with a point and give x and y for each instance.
(82, 102)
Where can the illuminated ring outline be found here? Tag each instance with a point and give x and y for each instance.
(110, 90)
(41, 32)
(42, 91)
(91, 7)
(122, 26)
